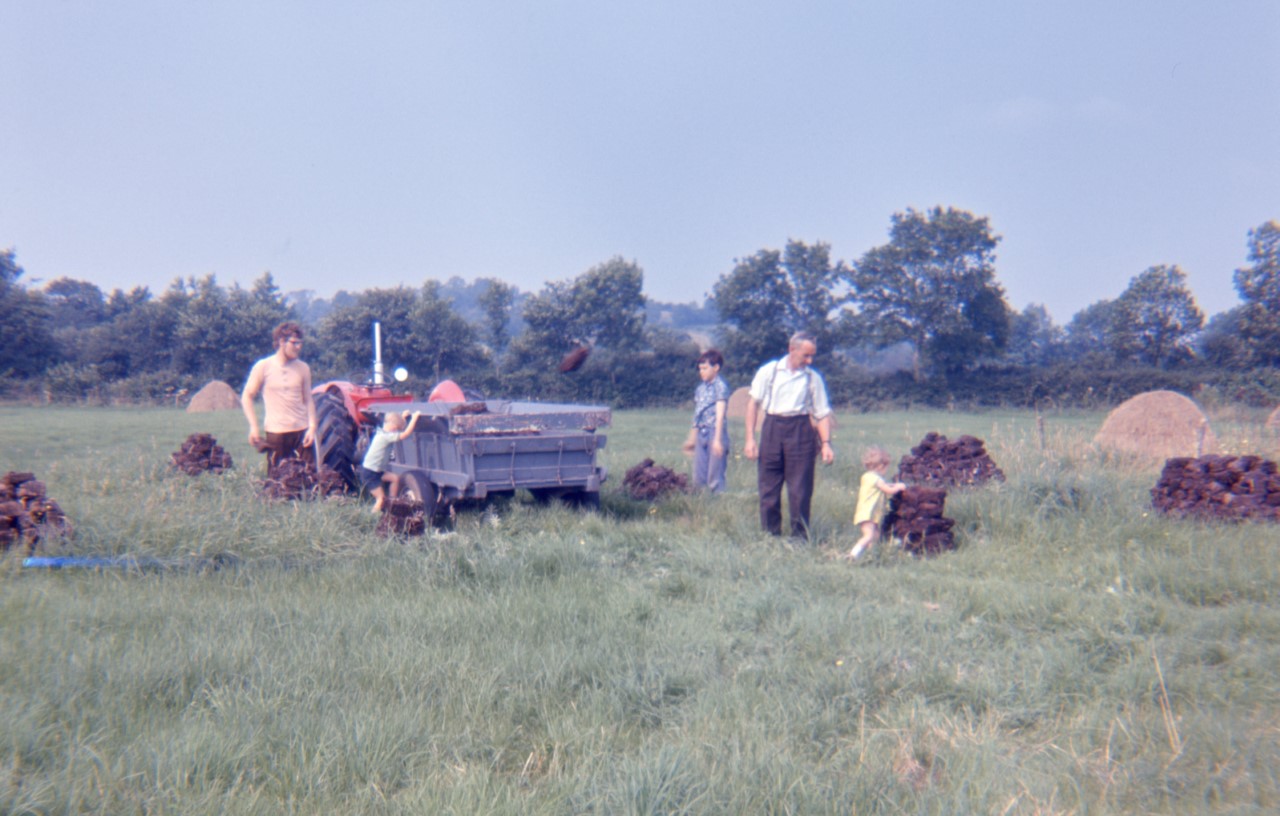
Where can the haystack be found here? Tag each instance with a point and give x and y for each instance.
(1158, 424)
(738, 403)
(215, 396)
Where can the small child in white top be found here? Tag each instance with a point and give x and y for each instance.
(374, 470)
(872, 490)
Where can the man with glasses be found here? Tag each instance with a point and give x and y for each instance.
(285, 384)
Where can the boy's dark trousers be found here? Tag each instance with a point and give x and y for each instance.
(788, 452)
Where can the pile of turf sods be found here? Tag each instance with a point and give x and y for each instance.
(1218, 487)
(403, 517)
(948, 463)
(915, 518)
(295, 478)
(27, 515)
(649, 481)
(201, 453)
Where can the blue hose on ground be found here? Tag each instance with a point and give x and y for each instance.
(125, 562)
(91, 562)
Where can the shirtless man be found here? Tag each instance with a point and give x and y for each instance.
(285, 384)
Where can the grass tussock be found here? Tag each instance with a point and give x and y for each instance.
(1076, 654)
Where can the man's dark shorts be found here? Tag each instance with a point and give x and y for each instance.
(278, 446)
(370, 479)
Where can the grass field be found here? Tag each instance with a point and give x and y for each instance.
(1076, 654)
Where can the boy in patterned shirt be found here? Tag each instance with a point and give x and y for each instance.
(708, 439)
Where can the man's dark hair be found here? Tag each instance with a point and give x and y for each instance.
(711, 357)
(286, 331)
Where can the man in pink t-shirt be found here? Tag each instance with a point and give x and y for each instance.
(285, 384)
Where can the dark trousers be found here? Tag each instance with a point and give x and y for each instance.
(286, 445)
(788, 453)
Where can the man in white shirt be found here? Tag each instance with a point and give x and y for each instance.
(797, 429)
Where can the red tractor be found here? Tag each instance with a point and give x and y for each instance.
(343, 425)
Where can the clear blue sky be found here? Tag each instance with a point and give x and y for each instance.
(347, 145)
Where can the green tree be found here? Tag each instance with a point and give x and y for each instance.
(608, 305)
(1222, 343)
(443, 342)
(1089, 334)
(771, 295)
(753, 302)
(814, 281)
(602, 307)
(1034, 339)
(1156, 319)
(138, 336)
(659, 374)
(419, 331)
(934, 286)
(496, 301)
(10, 271)
(1259, 288)
(76, 308)
(28, 346)
(308, 308)
(343, 348)
(75, 304)
(221, 332)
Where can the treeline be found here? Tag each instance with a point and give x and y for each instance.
(920, 320)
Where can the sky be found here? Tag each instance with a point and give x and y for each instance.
(373, 143)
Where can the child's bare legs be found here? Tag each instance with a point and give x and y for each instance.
(870, 535)
(393, 480)
(379, 496)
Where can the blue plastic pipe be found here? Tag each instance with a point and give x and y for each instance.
(87, 562)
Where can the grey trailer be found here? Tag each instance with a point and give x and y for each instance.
(487, 448)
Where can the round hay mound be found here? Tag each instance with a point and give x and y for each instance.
(738, 403)
(215, 396)
(1158, 424)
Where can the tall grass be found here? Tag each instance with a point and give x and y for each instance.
(1076, 654)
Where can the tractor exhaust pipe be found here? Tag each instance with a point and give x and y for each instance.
(378, 377)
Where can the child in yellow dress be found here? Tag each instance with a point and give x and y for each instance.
(872, 490)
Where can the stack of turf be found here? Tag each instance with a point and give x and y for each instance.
(1218, 487)
(201, 453)
(649, 481)
(915, 518)
(947, 463)
(295, 478)
(27, 515)
(403, 517)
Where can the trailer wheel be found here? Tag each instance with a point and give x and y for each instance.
(417, 487)
(336, 437)
(583, 500)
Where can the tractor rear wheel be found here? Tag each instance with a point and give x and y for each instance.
(417, 487)
(336, 437)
